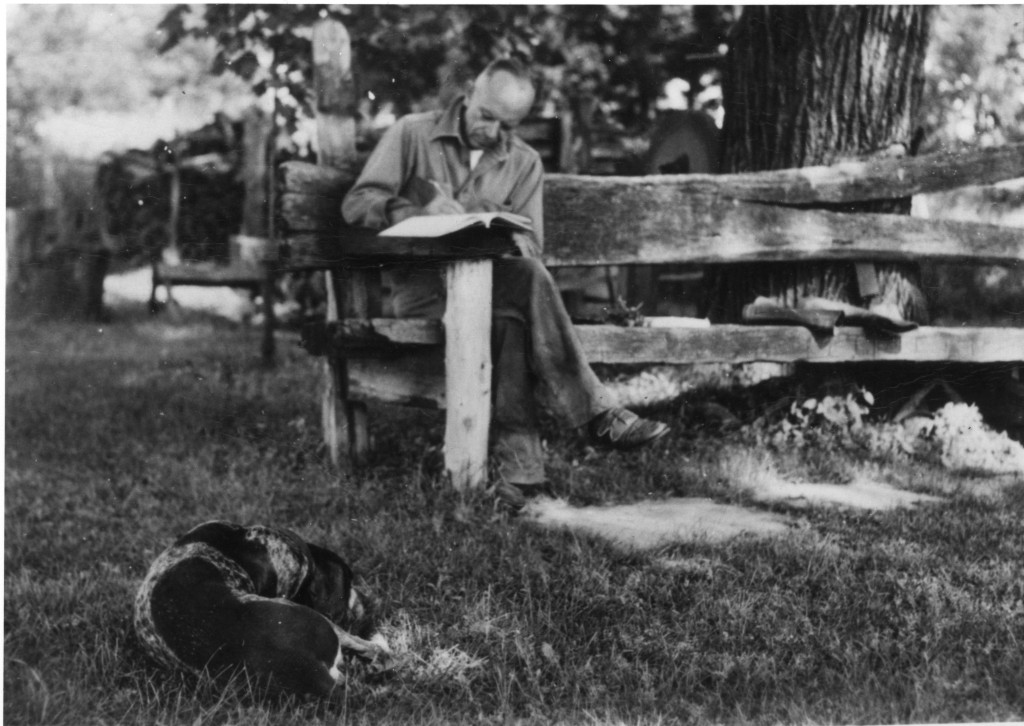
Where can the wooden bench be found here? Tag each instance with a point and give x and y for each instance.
(691, 219)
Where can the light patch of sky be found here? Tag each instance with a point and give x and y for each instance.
(117, 33)
(89, 134)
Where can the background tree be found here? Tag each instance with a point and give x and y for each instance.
(810, 85)
(616, 58)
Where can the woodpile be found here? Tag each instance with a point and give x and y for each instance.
(135, 189)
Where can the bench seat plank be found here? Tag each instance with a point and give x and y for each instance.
(743, 344)
(209, 274)
(360, 247)
(736, 343)
(413, 378)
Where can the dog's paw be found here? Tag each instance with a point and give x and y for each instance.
(380, 658)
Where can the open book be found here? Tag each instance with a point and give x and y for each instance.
(438, 225)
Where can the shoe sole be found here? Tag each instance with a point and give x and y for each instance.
(514, 497)
(636, 445)
(510, 497)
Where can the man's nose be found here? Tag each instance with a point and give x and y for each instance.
(493, 129)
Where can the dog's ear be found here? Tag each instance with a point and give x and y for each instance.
(329, 584)
(363, 611)
(332, 593)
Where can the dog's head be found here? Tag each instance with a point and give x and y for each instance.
(330, 591)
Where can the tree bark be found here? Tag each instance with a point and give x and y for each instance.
(817, 85)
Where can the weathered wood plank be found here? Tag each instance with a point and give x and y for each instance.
(361, 246)
(853, 181)
(689, 230)
(467, 360)
(740, 343)
(747, 343)
(298, 213)
(209, 274)
(655, 224)
(386, 331)
(311, 196)
(413, 379)
(304, 179)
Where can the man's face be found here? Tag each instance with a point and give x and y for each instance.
(495, 107)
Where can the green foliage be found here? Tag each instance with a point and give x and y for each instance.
(408, 54)
(97, 58)
(974, 75)
(834, 420)
(64, 59)
(606, 62)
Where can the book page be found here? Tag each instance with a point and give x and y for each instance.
(432, 225)
(438, 225)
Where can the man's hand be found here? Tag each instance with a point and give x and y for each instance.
(526, 244)
(443, 205)
(484, 205)
(438, 205)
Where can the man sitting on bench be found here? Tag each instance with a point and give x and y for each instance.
(466, 158)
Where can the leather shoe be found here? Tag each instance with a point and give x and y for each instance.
(515, 496)
(622, 429)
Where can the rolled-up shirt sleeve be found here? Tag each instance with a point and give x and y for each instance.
(376, 194)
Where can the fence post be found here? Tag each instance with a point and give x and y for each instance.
(344, 421)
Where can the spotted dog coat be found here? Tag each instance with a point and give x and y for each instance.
(225, 598)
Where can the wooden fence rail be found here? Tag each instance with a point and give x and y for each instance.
(700, 219)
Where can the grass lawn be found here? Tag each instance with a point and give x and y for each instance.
(123, 436)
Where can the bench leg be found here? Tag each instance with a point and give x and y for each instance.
(345, 422)
(467, 323)
(358, 431)
(332, 414)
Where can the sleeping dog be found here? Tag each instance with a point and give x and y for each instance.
(225, 598)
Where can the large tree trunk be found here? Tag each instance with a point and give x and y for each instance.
(810, 85)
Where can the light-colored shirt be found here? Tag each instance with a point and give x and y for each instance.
(427, 147)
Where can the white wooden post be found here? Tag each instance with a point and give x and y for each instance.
(467, 324)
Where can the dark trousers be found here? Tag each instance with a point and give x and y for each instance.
(535, 354)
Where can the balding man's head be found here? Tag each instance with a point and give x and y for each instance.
(501, 97)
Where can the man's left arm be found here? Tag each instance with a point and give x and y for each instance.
(527, 199)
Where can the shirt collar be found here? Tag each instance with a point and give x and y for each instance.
(447, 126)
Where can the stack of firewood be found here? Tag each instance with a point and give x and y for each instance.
(136, 190)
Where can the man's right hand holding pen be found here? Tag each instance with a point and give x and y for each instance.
(442, 202)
